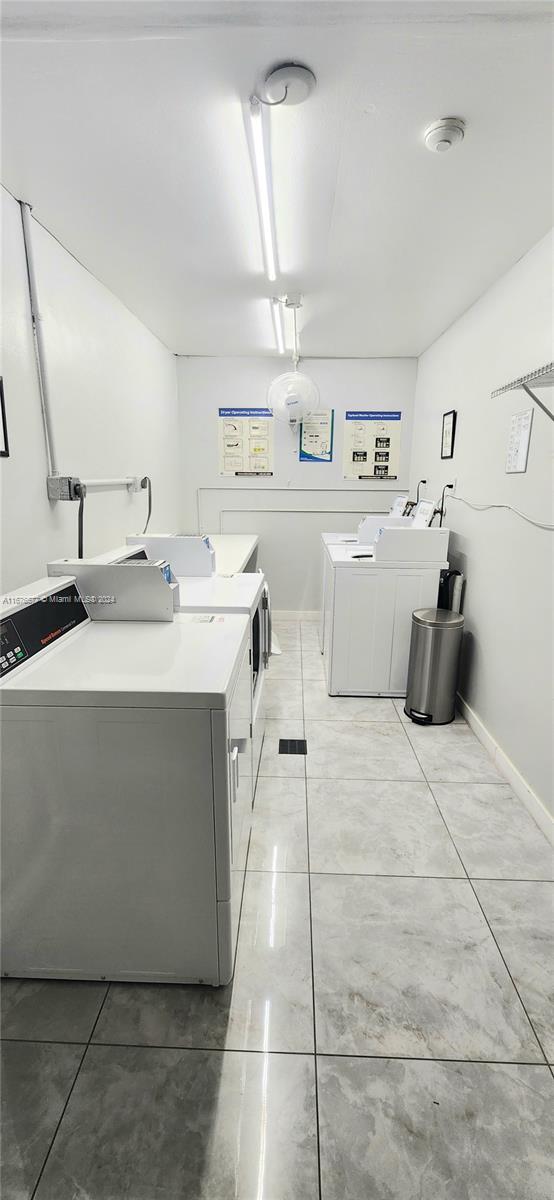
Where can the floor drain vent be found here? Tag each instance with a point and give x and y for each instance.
(292, 746)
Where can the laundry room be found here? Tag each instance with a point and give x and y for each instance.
(276, 576)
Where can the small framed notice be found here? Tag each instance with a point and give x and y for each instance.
(518, 443)
(448, 433)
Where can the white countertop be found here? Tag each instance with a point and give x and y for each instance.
(221, 593)
(232, 551)
(190, 662)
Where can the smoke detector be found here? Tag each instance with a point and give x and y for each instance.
(444, 134)
(289, 83)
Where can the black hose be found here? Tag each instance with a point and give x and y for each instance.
(418, 487)
(441, 510)
(81, 492)
(147, 483)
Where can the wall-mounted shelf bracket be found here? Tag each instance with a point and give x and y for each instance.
(543, 378)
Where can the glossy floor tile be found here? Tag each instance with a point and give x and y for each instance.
(287, 634)
(283, 698)
(310, 635)
(268, 1006)
(452, 754)
(186, 1125)
(355, 750)
(408, 967)
(36, 1081)
(400, 1130)
(320, 706)
(287, 665)
(494, 833)
(275, 765)
(53, 1010)
(521, 916)
(312, 665)
(279, 840)
(272, 1006)
(367, 827)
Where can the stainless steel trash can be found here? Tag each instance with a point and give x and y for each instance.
(434, 664)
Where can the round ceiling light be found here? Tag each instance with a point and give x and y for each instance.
(444, 134)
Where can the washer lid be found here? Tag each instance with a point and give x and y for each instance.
(434, 618)
(190, 662)
(221, 593)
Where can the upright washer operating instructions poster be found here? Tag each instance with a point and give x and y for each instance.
(371, 444)
(245, 441)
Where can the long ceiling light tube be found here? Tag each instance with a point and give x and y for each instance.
(264, 190)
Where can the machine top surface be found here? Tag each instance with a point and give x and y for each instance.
(190, 662)
(232, 551)
(394, 548)
(221, 593)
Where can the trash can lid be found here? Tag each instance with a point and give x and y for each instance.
(434, 617)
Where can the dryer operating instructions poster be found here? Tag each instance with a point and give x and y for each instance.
(245, 441)
(371, 444)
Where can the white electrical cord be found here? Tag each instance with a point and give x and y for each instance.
(295, 354)
(484, 507)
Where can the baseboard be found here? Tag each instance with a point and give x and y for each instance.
(284, 614)
(518, 784)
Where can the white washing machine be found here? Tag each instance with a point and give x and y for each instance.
(143, 593)
(126, 790)
(246, 593)
(369, 594)
(368, 531)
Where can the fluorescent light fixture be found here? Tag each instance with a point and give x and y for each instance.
(278, 324)
(262, 169)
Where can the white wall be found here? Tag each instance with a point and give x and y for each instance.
(507, 673)
(114, 408)
(290, 510)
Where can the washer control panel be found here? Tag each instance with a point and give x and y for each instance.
(38, 625)
(11, 651)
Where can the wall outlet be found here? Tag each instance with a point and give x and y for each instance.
(454, 483)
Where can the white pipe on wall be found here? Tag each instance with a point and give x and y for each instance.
(109, 485)
(38, 336)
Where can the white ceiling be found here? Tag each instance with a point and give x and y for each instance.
(124, 127)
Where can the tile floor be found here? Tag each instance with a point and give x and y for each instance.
(388, 1031)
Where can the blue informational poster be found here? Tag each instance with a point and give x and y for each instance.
(316, 437)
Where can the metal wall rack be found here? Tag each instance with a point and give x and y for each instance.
(543, 378)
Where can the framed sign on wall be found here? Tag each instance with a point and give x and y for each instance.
(448, 433)
(4, 445)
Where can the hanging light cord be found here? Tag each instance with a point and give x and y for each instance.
(485, 507)
(255, 99)
(295, 356)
